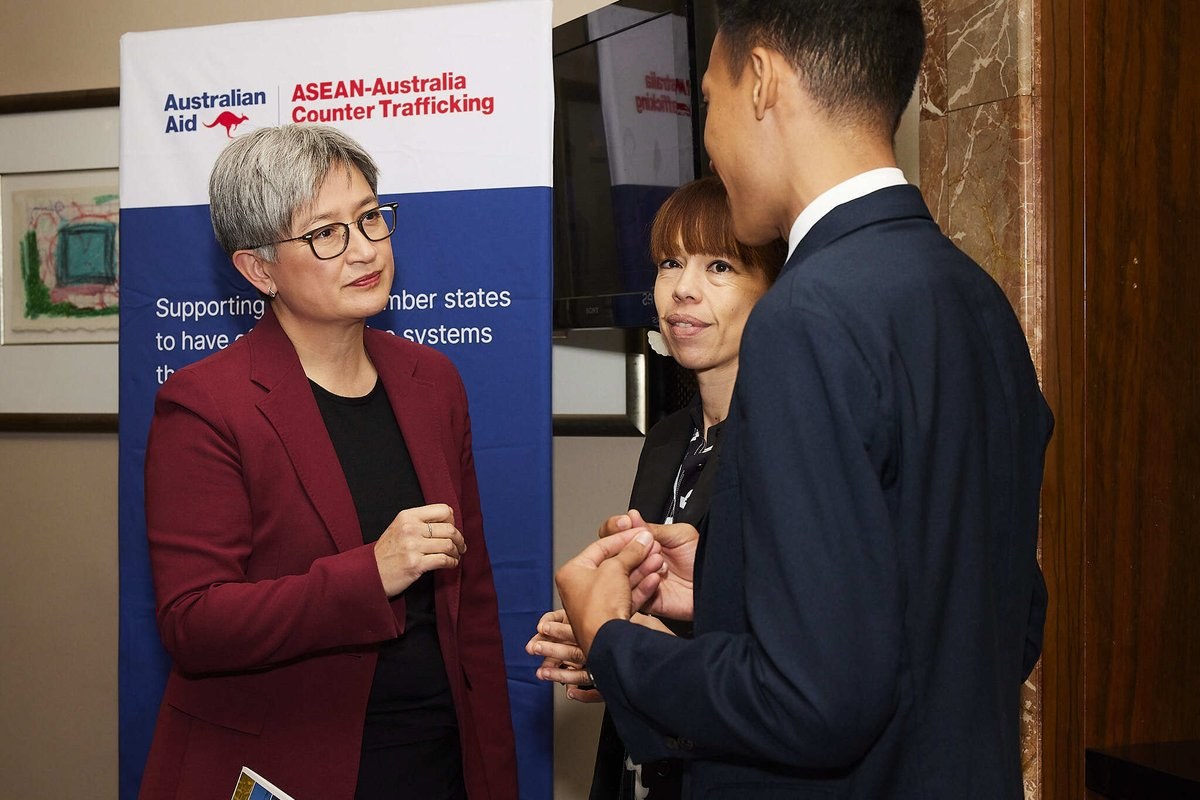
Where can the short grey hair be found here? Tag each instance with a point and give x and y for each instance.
(260, 180)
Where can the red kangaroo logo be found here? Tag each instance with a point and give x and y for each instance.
(229, 120)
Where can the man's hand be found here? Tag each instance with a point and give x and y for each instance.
(651, 623)
(595, 585)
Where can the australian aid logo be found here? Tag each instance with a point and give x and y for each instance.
(221, 111)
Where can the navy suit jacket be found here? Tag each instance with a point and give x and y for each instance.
(267, 599)
(869, 599)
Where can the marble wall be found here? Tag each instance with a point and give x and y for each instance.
(980, 175)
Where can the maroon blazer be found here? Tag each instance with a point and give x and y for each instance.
(267, 599)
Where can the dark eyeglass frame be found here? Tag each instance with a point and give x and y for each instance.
(308, 237)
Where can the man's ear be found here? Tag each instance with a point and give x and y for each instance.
(765, 65)
(255, 269)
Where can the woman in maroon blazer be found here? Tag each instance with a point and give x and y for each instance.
(322, 579)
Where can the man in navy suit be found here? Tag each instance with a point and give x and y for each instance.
(868, 600)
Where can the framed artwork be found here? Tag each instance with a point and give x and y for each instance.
(59, 261)
(60, 281)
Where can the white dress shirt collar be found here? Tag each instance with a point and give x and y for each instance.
(859, 186)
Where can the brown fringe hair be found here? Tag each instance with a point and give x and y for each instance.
(696, 218)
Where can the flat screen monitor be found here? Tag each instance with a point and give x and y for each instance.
(626, 135)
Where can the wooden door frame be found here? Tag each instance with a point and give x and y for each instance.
(1061, 106)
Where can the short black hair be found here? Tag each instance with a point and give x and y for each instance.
(859, 59)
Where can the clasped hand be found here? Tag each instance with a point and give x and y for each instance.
(417, 541)
(662, 583)
(632, 566)
(562, 659)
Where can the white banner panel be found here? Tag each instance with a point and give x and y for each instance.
(392, 80)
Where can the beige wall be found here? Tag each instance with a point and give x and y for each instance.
(58, 615)
(61, 45)
(592, 477)
(58, 492)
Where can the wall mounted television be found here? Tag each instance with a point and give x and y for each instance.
(627, 132)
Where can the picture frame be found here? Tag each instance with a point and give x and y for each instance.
(58, 257)
(58, 387)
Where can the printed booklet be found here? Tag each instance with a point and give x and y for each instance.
(251, 786)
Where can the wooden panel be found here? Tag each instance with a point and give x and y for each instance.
(1059, 101)
(1142, 505)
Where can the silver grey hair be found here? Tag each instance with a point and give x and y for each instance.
(261, 179)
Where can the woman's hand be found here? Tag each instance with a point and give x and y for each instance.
(419, 540)
(663, 583)
(667, 589)
(562, 660)
(619, 523)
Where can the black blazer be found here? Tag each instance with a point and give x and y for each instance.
(869, 599)
(658, 464)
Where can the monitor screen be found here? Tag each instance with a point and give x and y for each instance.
(626, 98)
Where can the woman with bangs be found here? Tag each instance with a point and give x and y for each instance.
(706, 286)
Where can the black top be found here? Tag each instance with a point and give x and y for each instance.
(700, 448)
(410, 700)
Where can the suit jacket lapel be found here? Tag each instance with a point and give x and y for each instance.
(292, 410)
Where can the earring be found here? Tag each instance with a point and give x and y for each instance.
(273, 293)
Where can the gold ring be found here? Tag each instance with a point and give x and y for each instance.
(428, 531)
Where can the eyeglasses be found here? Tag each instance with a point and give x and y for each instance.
(332, 239)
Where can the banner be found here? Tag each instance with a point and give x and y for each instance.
(454, 103)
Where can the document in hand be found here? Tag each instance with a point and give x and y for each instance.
(252, 786)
